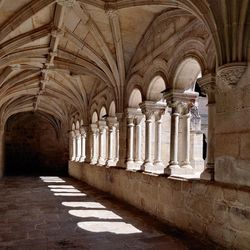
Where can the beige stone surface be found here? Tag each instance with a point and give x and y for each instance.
(211, 210)
(35, 216)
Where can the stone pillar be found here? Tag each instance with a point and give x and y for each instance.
(117, 137)
(83, 144)
(186, 140)
(121, 133)
(130, 140)
(175, 116)
(78, 145)
(102, 143)
(180, 102)
(158, 135)
(208, 84)
(88, 147)
(112, 143)
(2, 151)
(138, 139)
(95, 135)
(73, 143)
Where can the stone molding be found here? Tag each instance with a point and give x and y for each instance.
(231, 73)
(66, 3)
(208, 84)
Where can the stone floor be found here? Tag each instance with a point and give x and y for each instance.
(62, 213)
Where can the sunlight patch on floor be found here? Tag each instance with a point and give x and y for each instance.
(106, 226)
(100, 214)
(69, 194)
(55, 179)
(61, 186)
(65, 190)
(83, 204)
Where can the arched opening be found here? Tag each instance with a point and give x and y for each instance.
(157, 85)
(186, 74)
(135, 99)
(103, 113)
(192, 143)
(94, 117)
(112, 109)
(33, 146)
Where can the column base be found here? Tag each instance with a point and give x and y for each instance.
(130, 165)
(172, 169)
(186, 165)
(101, 162)
(82, 159)
(148, 166)
(111, 163)
(77, 159)
(208, 173)
(158, 167)
(93, 161)
(139, 165)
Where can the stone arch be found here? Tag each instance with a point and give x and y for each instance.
(135, 98)
(73, 126)
(156, 86)
(112, 109)
(94, 117)
(102, 113)
(77, 125)
(186, 74)
(158, 68)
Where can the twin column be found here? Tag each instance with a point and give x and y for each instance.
(181, 104)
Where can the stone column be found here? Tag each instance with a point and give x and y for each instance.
(83, 144)
(148, 112)
(208, 84)
(179, 101)
(117, 138)
(138, 138)
(130, 140)
(175, 116)
(94, 156)
(111, 140)
(186, 139)
(2, 151)
(102, 143)
(88, 147)
(78, 145)
(158, 135)
(121, 133)
(73, 143)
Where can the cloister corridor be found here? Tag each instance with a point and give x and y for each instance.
(61, 213)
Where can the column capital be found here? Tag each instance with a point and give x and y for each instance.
(150, 108)
(208, 85)
(231, 73)
(111, 121)
(83, 131)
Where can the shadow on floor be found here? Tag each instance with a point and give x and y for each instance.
(61, 213)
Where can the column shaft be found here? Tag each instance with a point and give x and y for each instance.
(174, 139)
(186, 141)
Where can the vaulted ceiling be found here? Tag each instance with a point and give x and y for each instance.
(56, 55)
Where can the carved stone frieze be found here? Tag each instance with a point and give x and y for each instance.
(231, 73)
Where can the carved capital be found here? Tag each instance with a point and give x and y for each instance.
(231, 73)
(150, 108)
(208, 85)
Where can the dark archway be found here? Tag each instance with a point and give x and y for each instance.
(33, 145)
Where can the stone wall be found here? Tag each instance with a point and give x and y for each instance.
(32, 146)
(232, 134)
(214, 211)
